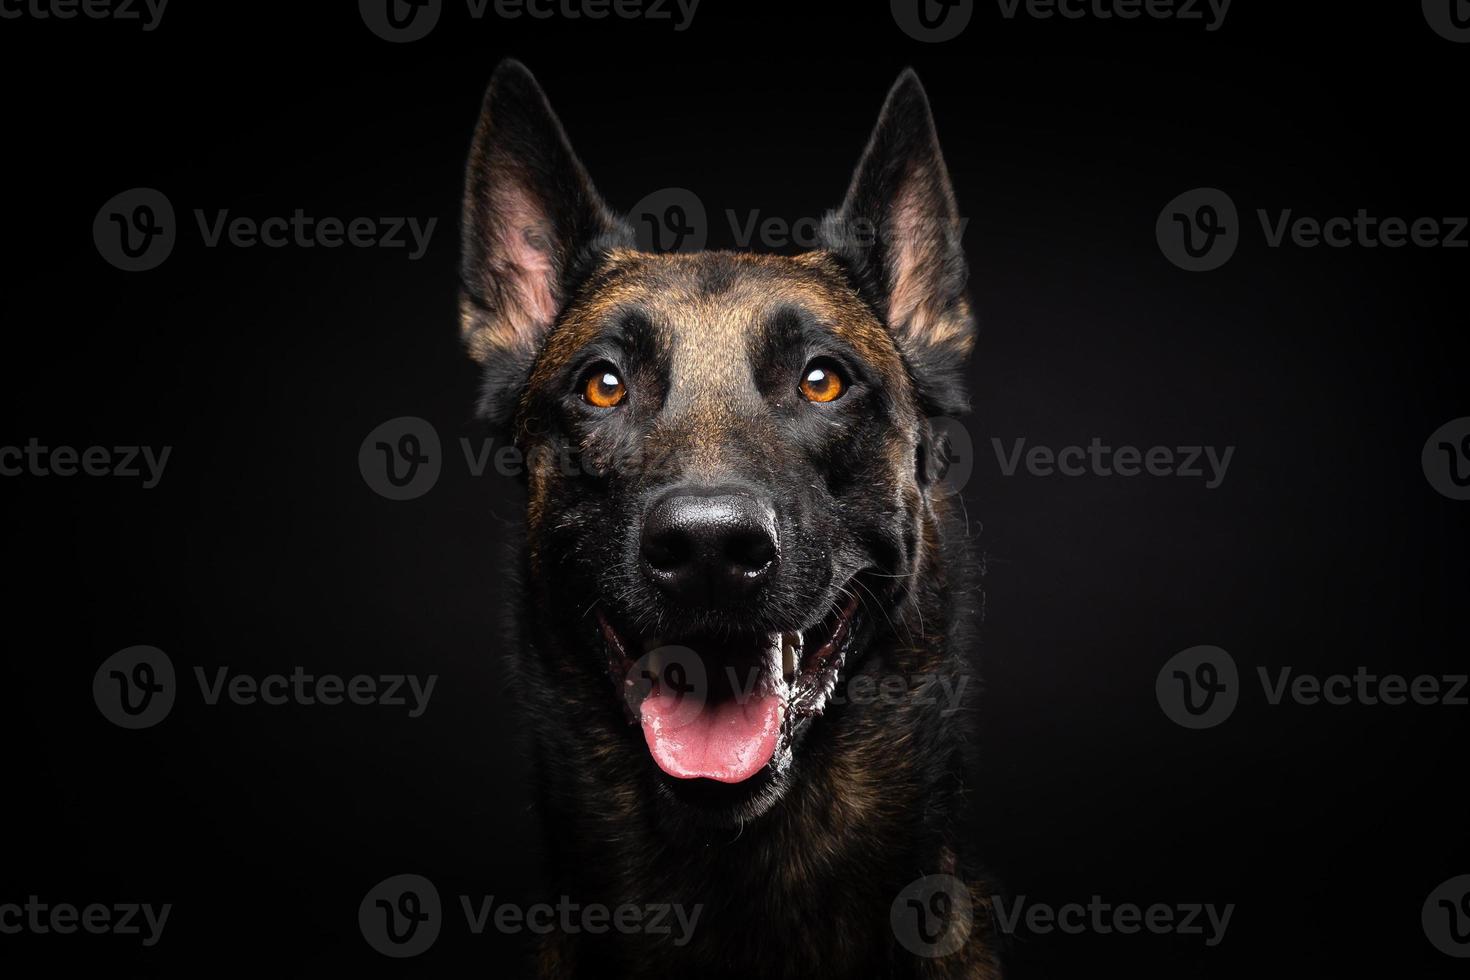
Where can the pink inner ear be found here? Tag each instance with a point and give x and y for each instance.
(907, 256)
(919, 228)
(523, 259)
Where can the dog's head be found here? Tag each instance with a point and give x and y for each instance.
(730, 464)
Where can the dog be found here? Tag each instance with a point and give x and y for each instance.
(735, 514)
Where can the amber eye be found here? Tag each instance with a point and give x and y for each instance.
(604, 388)
(821, 382)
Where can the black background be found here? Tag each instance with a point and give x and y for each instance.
(263, 549)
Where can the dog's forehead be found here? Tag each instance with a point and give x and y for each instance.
(718, 305)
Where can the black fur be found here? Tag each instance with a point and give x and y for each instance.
(795, 868)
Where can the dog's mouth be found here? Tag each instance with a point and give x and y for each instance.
(727, 707)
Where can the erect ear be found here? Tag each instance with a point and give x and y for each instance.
(533, 224)
(898, 234)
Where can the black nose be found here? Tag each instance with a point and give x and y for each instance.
(709, 549)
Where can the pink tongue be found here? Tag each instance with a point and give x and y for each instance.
(728, 742)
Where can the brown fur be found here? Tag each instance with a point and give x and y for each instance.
(800, 882)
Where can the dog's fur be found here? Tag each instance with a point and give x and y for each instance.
(797, 869)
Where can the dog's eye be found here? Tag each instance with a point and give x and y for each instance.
(603, 388)
(821, 382)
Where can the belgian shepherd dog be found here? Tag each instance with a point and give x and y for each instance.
(741, 578)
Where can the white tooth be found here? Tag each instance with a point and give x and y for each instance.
(656, 664)
(790, 653)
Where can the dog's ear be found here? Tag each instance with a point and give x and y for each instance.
(898, 234)
(533, 225)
